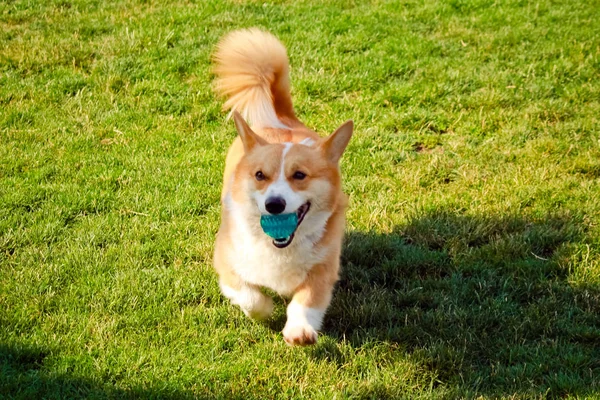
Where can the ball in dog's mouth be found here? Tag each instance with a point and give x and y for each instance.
(282, 227)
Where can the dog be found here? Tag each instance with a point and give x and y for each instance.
(276, 166)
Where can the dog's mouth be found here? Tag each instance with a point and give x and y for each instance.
(285, 242)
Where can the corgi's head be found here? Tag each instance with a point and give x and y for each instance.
(285, 178)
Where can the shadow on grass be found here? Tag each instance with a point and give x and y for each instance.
(23, 376)
(482, 302)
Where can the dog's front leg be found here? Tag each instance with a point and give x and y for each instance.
(250, 299)
(307, 308)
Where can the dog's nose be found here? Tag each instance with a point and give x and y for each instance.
(275, 205)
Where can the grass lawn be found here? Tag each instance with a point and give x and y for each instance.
(471, 264)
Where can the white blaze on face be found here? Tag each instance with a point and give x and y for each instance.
(280, 188)
(308, 142)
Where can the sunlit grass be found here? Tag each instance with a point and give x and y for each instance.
(471, 265)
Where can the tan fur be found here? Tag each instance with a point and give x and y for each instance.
(252, 69)
(253, 74)
(316, 290)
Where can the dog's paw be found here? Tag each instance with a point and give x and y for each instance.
(262, 310)
(299, 335)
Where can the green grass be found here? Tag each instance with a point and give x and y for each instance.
(472, 260)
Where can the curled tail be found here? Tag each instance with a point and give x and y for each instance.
(252, 71)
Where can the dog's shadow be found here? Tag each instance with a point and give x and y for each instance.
(479, 300)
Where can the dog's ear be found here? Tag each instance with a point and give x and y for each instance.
(249, 138)
(334, 145)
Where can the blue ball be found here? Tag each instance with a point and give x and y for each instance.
(279, 226)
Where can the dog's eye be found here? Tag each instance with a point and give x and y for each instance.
(260, 176)
(299, 175)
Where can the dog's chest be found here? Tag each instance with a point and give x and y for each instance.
(256, 260)
(259, 262)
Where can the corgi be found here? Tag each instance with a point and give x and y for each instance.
(276, 166)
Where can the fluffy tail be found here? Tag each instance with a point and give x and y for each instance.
(252, 71)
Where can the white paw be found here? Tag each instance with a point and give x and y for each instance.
(252, 301)
(299, 335)
(262, 310)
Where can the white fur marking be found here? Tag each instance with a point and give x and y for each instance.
(302, 324)
(257, 261)
(286, 148)
(308, 142)
(300, 315)
(252, 302)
